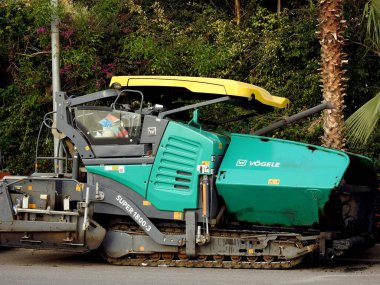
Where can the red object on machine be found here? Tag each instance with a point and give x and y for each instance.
(2, 174)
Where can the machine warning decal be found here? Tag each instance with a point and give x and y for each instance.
(152, 131)
(177, 215)
(273, 181)
(119, 168)
(204, 167)
(32, 206)
(79, 187)
(257, 163)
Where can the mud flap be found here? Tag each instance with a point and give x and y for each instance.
(93, 236)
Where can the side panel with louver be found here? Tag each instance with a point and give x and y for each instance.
(173, 184)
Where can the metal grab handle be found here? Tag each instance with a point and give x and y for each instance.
(85, 218)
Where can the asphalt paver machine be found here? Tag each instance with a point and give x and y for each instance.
(152, 183)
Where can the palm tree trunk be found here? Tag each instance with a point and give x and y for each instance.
(332, 27)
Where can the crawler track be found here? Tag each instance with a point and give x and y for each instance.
(140, 261)
(170, 259)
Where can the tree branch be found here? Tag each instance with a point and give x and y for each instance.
(34, 54)
(376, 52)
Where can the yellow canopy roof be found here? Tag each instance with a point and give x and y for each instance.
(204, 85)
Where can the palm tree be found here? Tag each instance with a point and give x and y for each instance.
(331, 29)
(361, 124)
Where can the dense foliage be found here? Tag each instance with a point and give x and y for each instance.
(193, 38)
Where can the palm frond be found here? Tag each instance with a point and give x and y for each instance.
(361, 124)
(371, 15)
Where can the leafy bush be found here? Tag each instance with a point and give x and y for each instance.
(194, 38)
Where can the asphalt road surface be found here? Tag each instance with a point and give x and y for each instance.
(21, 266)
